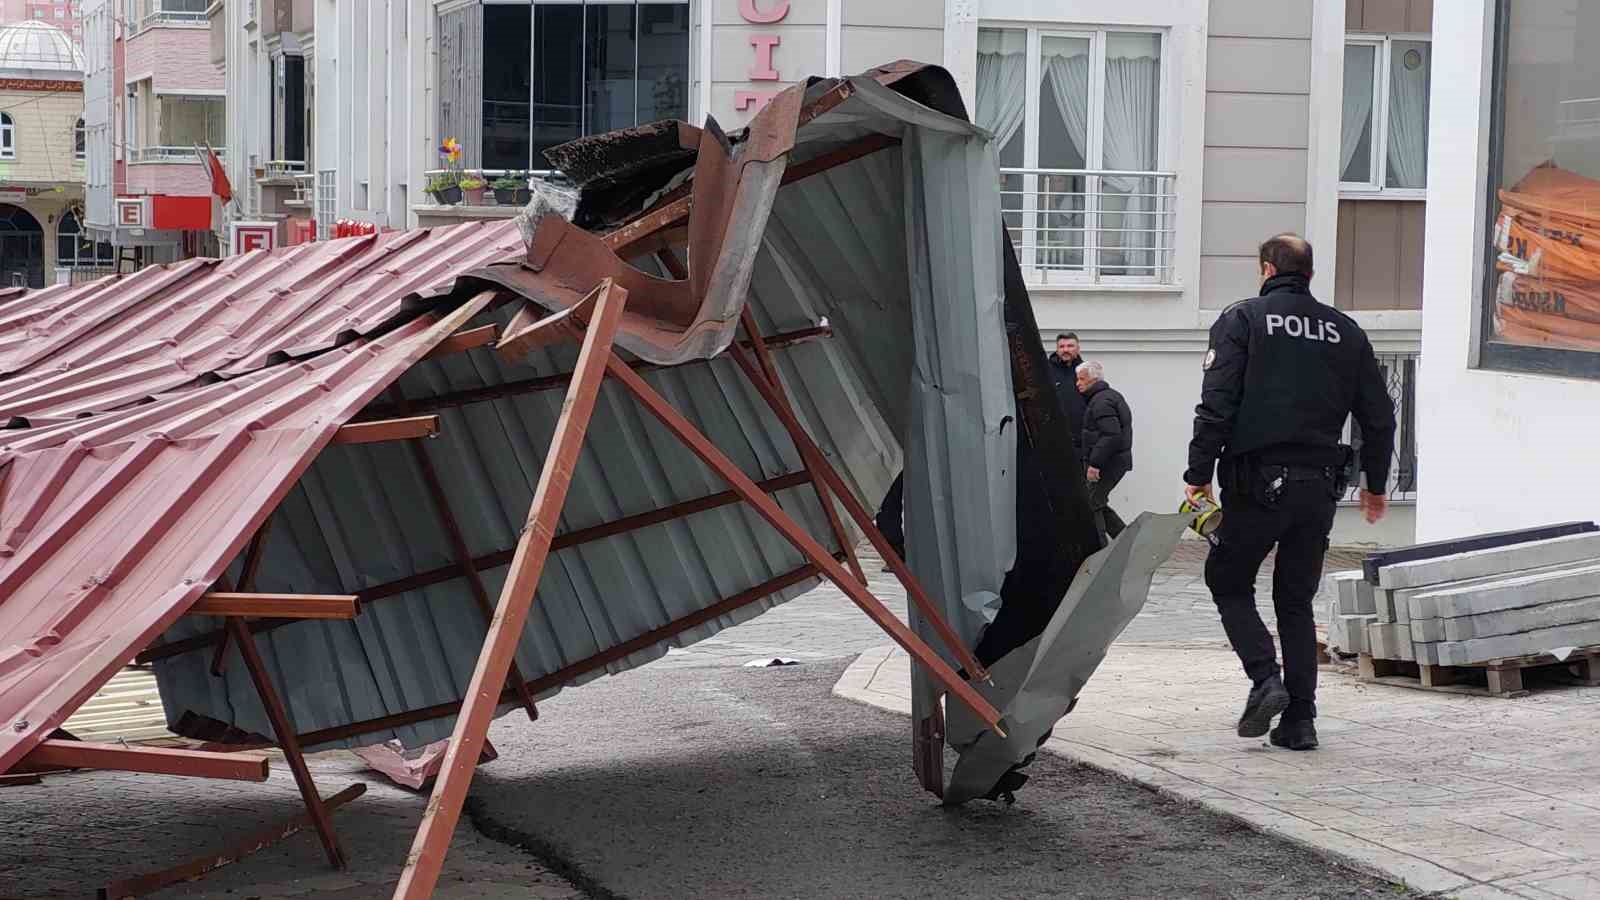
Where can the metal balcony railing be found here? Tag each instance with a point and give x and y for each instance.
(1074, 226)
(167, 154)
(173, 17)
(285, 168)
(1400, 373)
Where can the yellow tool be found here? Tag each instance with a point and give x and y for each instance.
(1207, 517)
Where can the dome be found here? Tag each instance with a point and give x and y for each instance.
(40, 49)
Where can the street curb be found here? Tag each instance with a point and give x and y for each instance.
(1363, 856)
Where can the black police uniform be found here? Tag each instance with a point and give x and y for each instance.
(1282, 374)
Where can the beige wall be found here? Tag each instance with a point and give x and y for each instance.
(1258, 84)
(1380, 254)
(44, 123)
(1390, 16)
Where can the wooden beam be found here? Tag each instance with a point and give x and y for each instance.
(556, 382)
(288, 738)
(140, 885)
(516, 597)
(388, 430)
(765, 380)
(718, 462)
(462, 341)
(58, 754)
(493, 561)
(278, 606)
(809, 454)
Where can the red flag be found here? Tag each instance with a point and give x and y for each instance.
(219, 178)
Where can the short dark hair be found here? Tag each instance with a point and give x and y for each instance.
(1290, 254)
(1066, 336)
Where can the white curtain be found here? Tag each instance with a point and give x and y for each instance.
(1002, 94)
(1061, 214)
(1357, 107)
(1133, 98)
(1408, 118)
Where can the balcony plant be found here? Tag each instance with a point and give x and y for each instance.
(511, 189)
(472, 185)
(445, 185)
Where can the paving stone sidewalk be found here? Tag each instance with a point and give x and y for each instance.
(1471, 797)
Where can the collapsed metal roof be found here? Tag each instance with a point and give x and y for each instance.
(158, 421)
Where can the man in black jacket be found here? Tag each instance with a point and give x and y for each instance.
(1064, 372)
(1107, 442)
(1282, 375)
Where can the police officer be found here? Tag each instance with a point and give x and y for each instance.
(1282, 374)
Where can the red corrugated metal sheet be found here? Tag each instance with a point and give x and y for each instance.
(157, 419)
(67, 351)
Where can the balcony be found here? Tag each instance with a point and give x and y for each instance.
(1092, 227)
(166, 154)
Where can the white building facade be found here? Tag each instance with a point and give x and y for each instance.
(1147, 146)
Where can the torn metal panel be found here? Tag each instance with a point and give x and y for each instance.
(1036, 684)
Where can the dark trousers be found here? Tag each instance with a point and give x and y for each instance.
(1298, 525)
(1100, 500)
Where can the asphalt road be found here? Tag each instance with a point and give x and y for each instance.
(742, 782)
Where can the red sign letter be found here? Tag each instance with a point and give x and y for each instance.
(763, 70)
(747, 9)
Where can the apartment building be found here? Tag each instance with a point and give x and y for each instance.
(63, 14)
(1145, 147)
(153, 102)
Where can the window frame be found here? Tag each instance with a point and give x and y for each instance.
(1377, 188)
(534, 162)
(8, 136)
(80, 141)
(1094, 153)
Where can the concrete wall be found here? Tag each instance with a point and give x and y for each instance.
(1500, 450)
(874, 32)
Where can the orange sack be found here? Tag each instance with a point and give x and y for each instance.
(1548, 235)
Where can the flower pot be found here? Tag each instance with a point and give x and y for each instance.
(512, 196)
(474, 196)
(450, 196)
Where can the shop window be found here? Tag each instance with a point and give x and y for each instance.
(1079, 120)
(8, 137)
(1383, 141)
(553, 72)
(1542, 286)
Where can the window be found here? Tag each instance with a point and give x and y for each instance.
(1078, 117)
(1383, 142)
(8, 137)
(553, 72)
(1541, 302)
(79, 144)
(190, 121)
(74, 251)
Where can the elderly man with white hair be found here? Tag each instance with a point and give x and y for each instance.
(1107, 442)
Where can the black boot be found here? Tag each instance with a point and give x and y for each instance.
(1266, 701)
(1297, 735)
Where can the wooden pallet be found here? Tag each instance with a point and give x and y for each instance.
(1495, 678)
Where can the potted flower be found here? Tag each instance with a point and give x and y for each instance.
(472, 185)
(512, 189)
(445, 187)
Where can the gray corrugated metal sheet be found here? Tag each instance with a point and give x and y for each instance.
(888, 248)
